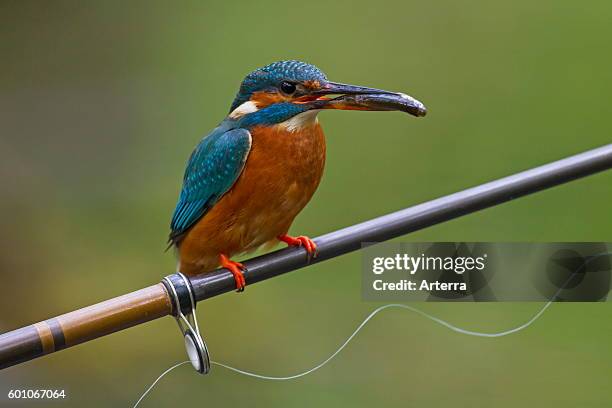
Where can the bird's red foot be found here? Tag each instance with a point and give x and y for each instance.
(308, 244)
(236, 268)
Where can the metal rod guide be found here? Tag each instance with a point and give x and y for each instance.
(184, 305)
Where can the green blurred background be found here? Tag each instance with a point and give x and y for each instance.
(102, 102)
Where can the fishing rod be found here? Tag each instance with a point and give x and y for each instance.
(177, 295)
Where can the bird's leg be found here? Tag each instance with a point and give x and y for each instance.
(308, 244)
(236, 268)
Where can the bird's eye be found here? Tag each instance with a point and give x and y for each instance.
(287, 87)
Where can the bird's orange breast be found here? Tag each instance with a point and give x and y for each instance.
(282, 172)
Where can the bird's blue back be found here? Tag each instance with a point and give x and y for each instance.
(212, 169)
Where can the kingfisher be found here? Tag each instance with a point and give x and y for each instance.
(247, 180)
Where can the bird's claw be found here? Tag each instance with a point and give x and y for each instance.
(309, 245)
(237, 269)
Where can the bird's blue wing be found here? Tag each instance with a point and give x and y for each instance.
(213, 168)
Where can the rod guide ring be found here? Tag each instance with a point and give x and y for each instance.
(183, 309)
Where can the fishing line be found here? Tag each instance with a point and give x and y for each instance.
(433, 318)
(351, 337)
(157, 380)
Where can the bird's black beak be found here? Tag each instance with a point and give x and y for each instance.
(352, 97)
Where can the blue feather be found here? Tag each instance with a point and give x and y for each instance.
(271, 75)
(214, 166)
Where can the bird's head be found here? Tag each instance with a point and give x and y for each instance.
(281, 90)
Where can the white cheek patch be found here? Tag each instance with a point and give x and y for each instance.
(244, 109)
(300, 121)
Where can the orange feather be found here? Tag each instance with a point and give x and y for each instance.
(281, 174)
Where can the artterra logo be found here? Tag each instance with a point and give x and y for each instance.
(487, 271)
(442, 270)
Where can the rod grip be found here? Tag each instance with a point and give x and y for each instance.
(84, 324)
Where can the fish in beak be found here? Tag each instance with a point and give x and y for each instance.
(333, 95)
